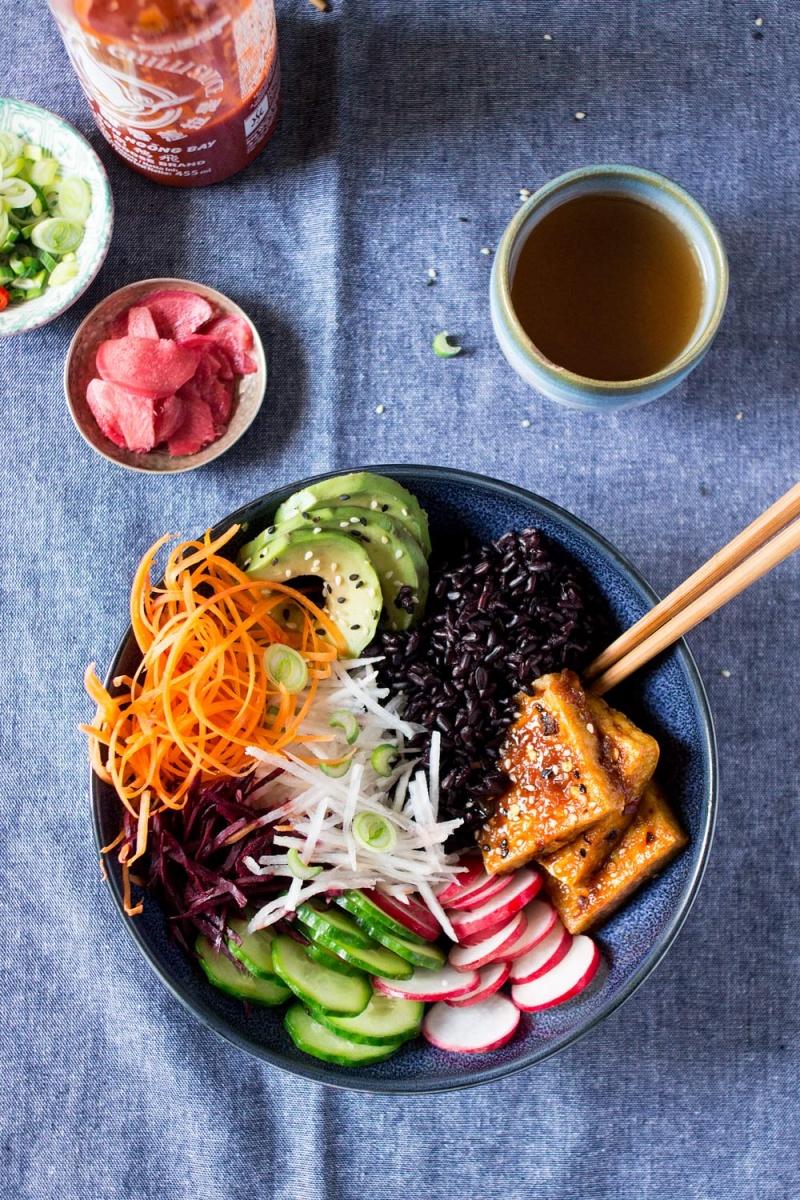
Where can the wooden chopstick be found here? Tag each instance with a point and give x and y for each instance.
(736, 551)
(758, 564)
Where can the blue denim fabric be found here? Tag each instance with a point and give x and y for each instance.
(407, 132)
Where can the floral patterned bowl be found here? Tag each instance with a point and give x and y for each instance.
(76, 157)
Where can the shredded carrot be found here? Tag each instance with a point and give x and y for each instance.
(201, 694)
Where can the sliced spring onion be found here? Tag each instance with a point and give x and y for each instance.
(374, 832)
(10, 149)
(16, 193)
(12, 168)
(335, 770)
(33, 153)
(57, 235)
(444, 347)
(383, 759)
(285, 667)
(345, 720)
(74, 199)
(62, 273)
(298, 868)
(43, 173)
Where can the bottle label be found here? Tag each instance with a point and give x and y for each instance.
(190, 109)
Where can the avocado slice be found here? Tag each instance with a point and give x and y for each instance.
(353, 597)
(362, 489)
(396, 555)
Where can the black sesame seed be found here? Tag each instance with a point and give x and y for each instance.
(352, 577)
(340, 599)
(306, 516)
(582, 788)
(274, 562)
(360, 584)
(363, 520)
(355, 626)
(384, 508)
(345, 496)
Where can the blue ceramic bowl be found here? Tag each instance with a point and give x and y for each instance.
(667, 699)
(634, 183)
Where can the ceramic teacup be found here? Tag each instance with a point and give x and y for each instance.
(635, 183)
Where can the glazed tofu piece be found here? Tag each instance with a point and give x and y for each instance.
(652, 839)
(560, 783)
(632, 755)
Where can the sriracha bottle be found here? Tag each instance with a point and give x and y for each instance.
(186, 91)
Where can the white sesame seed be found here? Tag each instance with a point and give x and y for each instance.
(547, 37)
(338, 580)
(725, 674)
(344, 524)
(371, 592)
(355, 520)
(380, 408)
(398, 553)
(524, 193)
(384, 539)
(317, 529)
(388, 575)
(431, 272)
(525, 424)
(287, 573)
(590, 728)
(373, 504)
(580, 116)
(739, 416)
(315, 565)
(404, 512)
(759, 21)
(308, 554)
(334, 566)
(485, 250)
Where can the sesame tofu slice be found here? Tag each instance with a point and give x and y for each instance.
(652, 839)
(633, 756)
(560, 785)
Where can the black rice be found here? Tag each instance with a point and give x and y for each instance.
(498, 617)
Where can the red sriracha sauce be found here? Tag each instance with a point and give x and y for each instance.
(187, 92)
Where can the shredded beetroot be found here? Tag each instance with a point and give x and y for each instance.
(195, 868)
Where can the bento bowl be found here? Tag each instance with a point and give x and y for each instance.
(76, 157)
(666, 698)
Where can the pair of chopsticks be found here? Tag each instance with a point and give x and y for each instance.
(752, 553)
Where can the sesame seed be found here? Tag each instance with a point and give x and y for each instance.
(338, 580)
(524, 193)
(485, 250)
(388, 575)
(334, 566)
(380, 408)
(315, 564)
(355, 520)
(580, 116)
(404, 512)
(308, 554)
(513, 810)
(759, 21)
(287, 573)
(344, 524)
(431, 272)
(398, 553)
(739, 416)
(317, 529)
(547, 37)
(725, 673)
(384, 539)
(590, 728)
(525, 424)
(373, 504)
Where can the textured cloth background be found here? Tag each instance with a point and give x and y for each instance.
(407, 131)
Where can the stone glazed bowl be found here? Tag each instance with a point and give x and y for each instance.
(667, 699)
(79, 369)
(76, 157)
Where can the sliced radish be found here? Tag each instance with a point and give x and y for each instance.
(541, 918)
(483, 888)
(563, 981)
(474, 868)
(472, 1030)
(472, 939)
(492, 949)
(414, 915)
(493, 976)
(523, 887)
(444, 984)
(544, 955)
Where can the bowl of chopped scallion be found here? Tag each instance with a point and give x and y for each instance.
(56, 216)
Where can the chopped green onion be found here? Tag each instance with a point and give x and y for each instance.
(12, 169)
(10, 149)
(299, 869)
(47, 261)
(345, 720)
(44, 172)
(374, 832)
(335, 770)
(16, 193)
(383, 759)
(286, 667)
(32, 152)
(74, 199)
(62, 273)
(444, 347)
(57, 235)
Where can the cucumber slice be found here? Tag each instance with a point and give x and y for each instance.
(316, 984)
(331, 921)
(313, 1038)
(241, 984)
(385, 1020)
(426, 954)
(255, 951)
(321, 955)
(360, 905)
(376, 959)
